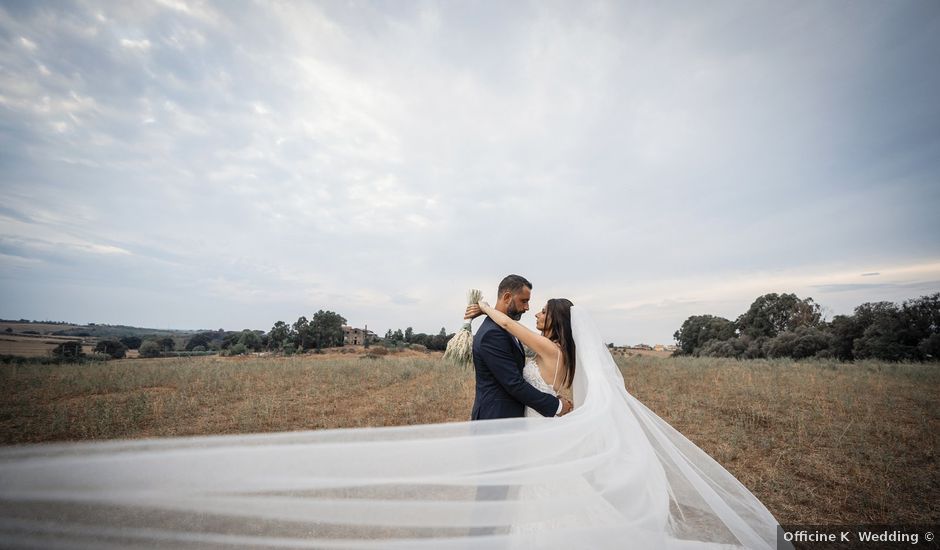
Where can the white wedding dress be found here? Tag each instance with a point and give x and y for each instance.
(532, 375)
(611, 474)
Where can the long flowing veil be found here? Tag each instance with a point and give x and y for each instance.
(608, 475)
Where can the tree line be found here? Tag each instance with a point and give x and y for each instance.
(783, 325)
(323, 330)
(399, 338)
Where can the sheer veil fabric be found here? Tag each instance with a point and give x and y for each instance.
(611, 474)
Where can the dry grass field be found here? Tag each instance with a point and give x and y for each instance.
(817, 442)
(42, 328)
(28, 345)
(21, 342)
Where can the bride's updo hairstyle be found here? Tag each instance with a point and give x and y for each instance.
(558, 329)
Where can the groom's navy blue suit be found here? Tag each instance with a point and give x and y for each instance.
(498, 359)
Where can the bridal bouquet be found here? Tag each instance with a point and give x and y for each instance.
(460, 348)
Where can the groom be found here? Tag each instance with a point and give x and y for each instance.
(498, 358)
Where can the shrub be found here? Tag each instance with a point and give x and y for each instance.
(150, 348)
(238, 349)
(114, 348)
(930, 347)
(69, 350)
(802, 343)
(733, 347)
(132, 342)
(756, 347)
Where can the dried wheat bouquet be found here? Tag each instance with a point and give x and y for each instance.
(460, 348)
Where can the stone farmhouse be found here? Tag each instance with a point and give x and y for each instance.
(353, 336)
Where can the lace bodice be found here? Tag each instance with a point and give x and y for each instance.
(533, 376)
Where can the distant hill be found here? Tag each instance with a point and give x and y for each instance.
(37, 338)
(91, 330)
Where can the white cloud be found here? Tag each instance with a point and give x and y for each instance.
(27, 43)
(198, 10)
(140, 45)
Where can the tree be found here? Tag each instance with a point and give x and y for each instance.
(698, 330)
(883, 330)
(422, 339)
(326, 328)
(167, 344)
(439, 342)
(844, 330)
(150, 348)
(279, 335)
(69, 350)
(921, 324)
(301, 329)
(250, 340)
(409, 334)
(397, 336)
(203, 339)
(230, 339)
(774, 313)
(114, 348)
(880, 324)
(132, 342)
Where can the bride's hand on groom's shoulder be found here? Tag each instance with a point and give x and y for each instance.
(473, 311)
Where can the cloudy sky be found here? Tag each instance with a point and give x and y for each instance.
(192, 165)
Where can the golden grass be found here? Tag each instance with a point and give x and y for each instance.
(817, 442)
(34, 345)
(218, 395)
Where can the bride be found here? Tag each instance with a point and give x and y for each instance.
(610, 474)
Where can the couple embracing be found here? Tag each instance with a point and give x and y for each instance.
(509, 385)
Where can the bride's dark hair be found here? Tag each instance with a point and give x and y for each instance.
(558, 322)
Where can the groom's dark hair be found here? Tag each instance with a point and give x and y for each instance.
(512, 284)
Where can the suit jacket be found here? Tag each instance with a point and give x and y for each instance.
(501, 392)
